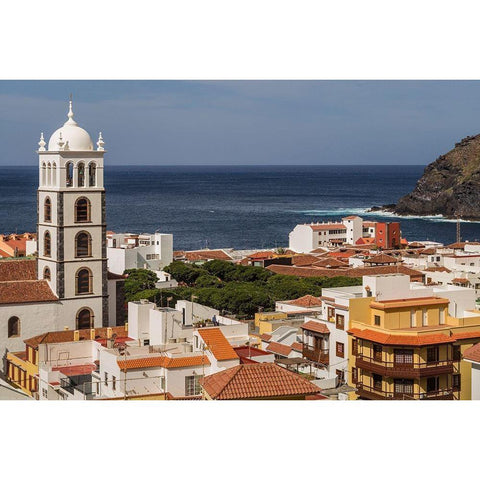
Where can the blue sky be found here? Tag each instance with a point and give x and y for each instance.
(245, 122)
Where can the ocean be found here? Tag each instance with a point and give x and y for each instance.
(236, 206)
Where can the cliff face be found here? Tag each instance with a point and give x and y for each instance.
(449, 186)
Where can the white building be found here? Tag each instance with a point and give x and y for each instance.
(307, 237)
(128, 250)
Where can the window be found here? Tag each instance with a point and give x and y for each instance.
(105, 378)
(84, 281)
(340, 376)
(81, 174)
(340, 322)
(146, 342)
(403, 356)
(413, 318)
(162, 384)
(457, 355)
(47, 245)
(355, 346)
(424, 317)
(377, 381)
(377, 320)
(340, 349)
(432, 354)
(83, 245)
(456, 382)
(69, 174)
(377, 352)
(44, 393)
(82, 210)
(331, 312)
(354, 375)
(46, 274)
(192, 385)
(47, 210)
(84, 319)
(432, 384)
(403, 386)
(92, 169)
(114, 382)
(13, 327)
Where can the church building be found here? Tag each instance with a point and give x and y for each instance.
(67, 286)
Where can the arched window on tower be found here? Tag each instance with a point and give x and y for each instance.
(46, 274)
(43, 174)
(81, 174)
(92, 175)
(84, 281)
(54, 174)
(84, 319)
(82, 210)
(47, 210)
(69, 174)
(47, 245)
(83, 245)
(13, 327)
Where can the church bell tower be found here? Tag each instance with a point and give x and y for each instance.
(71, 224)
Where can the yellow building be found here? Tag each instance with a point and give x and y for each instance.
(410, 348)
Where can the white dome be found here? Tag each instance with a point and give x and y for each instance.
(70, 136)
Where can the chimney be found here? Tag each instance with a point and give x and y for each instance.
(109, 332)
(92, 334)
(76, 335)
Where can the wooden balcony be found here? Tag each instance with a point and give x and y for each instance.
(316, 355)
(371, 393)
(404, 370)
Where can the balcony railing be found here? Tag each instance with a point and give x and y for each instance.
(402, 369)
(373, 393)
(317, 355)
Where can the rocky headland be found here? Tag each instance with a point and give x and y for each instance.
(450, 186)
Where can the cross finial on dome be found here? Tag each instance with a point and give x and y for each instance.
(70, 120)
(100, 142)
(41, 143)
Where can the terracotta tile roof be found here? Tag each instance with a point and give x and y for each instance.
(472, 353)
(437, 269)
(408, 302)
(246, 351)
(388, 339)
(195, 255)
(72, 370)
(68, 335)
(381, 258)
(261, 255)
(13, 270)
(279, 348)
(256, 380)
(365, 241)
(265, 337)
(303, 260)
(26, 291)
(460, 280)
(4, 254)
(369, 224)
(351, 217)
(330, 263)
(320, 250)
(306, 301)
(314, 326)
(217, 343)
(466, 335)
(297, 346)
(327, 226)
(416, 245)
(162, 361)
